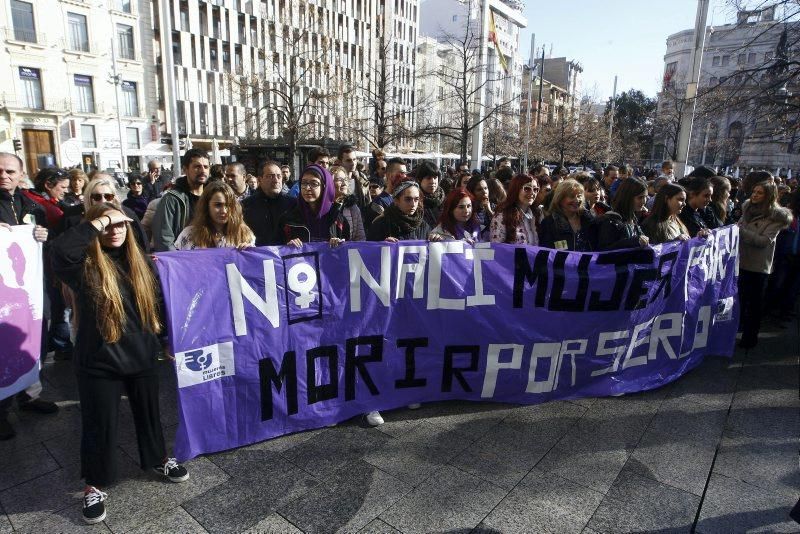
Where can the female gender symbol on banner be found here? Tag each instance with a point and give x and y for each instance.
(302, 280)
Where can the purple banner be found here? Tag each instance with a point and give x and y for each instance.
(269, 341)
(20, 308)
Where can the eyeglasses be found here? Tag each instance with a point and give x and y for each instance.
(98, 197)
(530, 189)
(310, 185)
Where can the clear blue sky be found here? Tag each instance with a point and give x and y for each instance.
(623, 37)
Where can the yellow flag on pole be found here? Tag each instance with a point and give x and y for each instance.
(493, 39)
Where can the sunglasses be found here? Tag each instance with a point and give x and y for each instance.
(135, 183)
(98, 197)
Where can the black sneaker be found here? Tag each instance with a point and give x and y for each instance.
(94, 508)
(6, 430)
(172, 470)
(39, 405)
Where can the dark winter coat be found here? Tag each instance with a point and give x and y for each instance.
(613, 233)
(262, 215)
(555, 229)
(137, 205)
(136, 351)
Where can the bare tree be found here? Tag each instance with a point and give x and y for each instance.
(464, 77)
(295, 91)
(380, 117)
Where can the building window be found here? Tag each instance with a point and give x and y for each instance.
(130, 100)
(87, 136)
(751, 58)
(78, 32)
(31, 88)
(726, 60)
(22, 17)
(741, 59)
(84, 98)
(125, 41)
(715, 61)
(123, 5)
(133, 137)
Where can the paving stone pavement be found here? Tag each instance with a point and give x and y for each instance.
(714, 452)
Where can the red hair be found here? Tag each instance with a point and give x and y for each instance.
(512, 216)
(447, 220)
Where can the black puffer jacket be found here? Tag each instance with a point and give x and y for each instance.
(136, 351)
(613, 233)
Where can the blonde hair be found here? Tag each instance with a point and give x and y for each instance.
(564, 188)
(335, 169)
(99, 179)
(236, 231)
(103, 279)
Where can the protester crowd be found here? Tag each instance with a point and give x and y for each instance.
(103, 303)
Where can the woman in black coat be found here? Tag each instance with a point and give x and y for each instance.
(567, 224)
(119, 321)
(620, 228)
(403, 219)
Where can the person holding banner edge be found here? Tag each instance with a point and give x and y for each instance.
(317, 216)
(17, 209)
(118, 305)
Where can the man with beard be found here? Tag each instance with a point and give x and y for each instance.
(176, 208)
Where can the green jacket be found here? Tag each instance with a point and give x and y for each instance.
(171, 217)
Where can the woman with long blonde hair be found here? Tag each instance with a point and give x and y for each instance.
(217, 221)
(116, 346)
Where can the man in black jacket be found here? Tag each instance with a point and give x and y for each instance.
(17, 209)
(263, 208)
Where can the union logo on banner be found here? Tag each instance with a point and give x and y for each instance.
(204, 364)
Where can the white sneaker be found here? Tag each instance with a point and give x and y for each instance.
(414, 406)
(374, 418)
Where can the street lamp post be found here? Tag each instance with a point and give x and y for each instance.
(117, 81)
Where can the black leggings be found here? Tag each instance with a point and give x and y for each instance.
(752, 286)
(99, 396)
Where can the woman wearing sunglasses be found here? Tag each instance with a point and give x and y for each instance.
(118, 302)
(102, 189)
(136, 200)
(516, 219)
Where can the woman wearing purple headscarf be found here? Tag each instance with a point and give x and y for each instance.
(316, 217)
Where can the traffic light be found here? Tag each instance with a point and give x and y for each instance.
(17, 145)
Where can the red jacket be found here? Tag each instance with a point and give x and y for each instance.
(52, 209)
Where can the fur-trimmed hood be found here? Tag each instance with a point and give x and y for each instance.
(778, 215)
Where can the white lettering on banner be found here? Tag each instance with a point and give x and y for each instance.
(551, 352)
(617, 352)
(438, 250)
(659, 334)
(568, 350)
(417, 269)
(240, 289)
(630, 360)
(493, 365)
(700, 330)
(482, 252)
(359, 272)
(204, 364)
(712, 257)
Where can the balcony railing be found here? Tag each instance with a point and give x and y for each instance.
(56, 105)
(22, 36)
